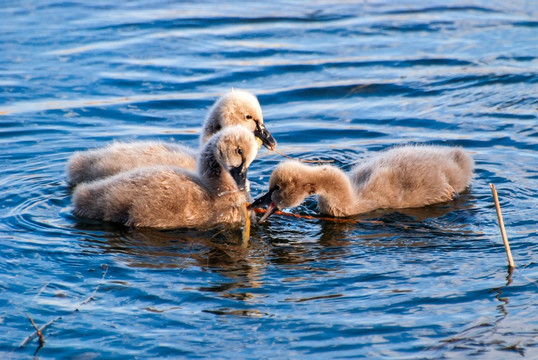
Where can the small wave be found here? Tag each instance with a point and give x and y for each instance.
(441, 9)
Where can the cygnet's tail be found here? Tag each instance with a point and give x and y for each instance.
(84, 203)
(461, 178)
(79, 168)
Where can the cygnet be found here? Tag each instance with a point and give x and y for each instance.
(172, 197)
(402, 177)
(236, 107)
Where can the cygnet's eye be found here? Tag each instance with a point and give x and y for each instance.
(239, 151)
(276, 188)
(249, 117)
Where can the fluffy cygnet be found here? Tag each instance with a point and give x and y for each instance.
(90, 165)
(172, 197)
(403, 177)
(236, 107)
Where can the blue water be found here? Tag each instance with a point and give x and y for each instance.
(336, 80)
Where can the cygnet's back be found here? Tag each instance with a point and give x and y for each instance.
(89, 165)
(413, 176)
(234, 108)
(408, 176)
(171, 197)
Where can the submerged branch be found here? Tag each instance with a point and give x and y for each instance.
(325, 218)
(39, 331)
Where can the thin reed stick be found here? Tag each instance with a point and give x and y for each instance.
(246, 224)
(501, 226)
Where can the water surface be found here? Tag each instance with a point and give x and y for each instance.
(336, 80)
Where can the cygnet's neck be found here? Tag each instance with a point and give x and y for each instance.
(335, 192)
(217, 179)
(212, 125)
(337, 195)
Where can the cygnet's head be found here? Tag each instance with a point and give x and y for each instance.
(238, 107)
(234, 149)
(289, 185)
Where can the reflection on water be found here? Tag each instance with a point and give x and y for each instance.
(337, 83)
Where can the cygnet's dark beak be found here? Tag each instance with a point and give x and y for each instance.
(263, 201)
(239, 174)
(265, 136)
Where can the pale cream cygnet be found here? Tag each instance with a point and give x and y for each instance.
(236, 107)
(402, 177)
(172, 197)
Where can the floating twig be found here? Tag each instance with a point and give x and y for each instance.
(39, 331)
(333, 219)
(41, 290)
(246, 224)
(501, 226)
(303, 160)
(91, 297)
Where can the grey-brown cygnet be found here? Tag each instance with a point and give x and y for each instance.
(236, 107)
(402, 177)
(172, 197)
